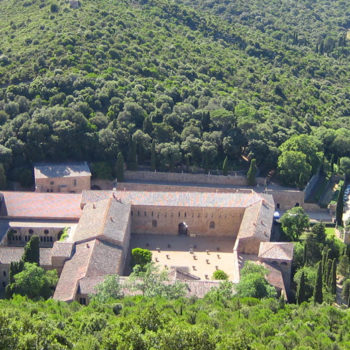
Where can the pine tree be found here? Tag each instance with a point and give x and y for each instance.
(120, 167)
(318, 295)
(333, 278)
(2, 177)
(225, 167)
(340, 207)
(153, 156)
(132, 156)
(251, 173)
(31, 251)
(301, 289)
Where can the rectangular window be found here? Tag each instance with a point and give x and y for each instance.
(74, 182)
(82, 301)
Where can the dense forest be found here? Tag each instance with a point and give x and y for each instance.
(196, 81)
(216, 322)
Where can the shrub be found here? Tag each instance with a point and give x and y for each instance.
(220, 275)
(141, 256)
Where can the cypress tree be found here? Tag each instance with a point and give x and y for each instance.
(346, 291)
(301, 289)
(251, 173)
(327, 273)
(132, 156)
(31, 251)
(333, 278)
(225, 167)
(318, 295)
(153, 156)
(120, 167)
(2, 177)
(340, 206)
(305, 254)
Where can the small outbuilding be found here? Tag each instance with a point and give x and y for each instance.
(63, 177)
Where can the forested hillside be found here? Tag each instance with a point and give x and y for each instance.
(201, 80)
(155, 323)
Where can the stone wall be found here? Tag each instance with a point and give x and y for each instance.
(63, 184)
(286, 199)
(200, 221)
(189, 178)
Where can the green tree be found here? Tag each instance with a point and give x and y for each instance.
(152, 282)
(220, 275)
(290, 165)
(318, 295)
(120, 167)
(153, 156)
(345, 166)
(294, 222)
(225, 167)
(141, 257)
(344, 266)
(310, 274)
(301, 297)
(252, 173)
(253, 282)
(31, 251)
(132, 156)
(319, 230)
(3, 180)
(340, 206)
(333, 278)
(34, 282)
(110, 288)
(346, 291)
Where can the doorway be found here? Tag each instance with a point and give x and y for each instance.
(183, 229)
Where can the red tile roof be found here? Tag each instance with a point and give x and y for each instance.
(40, 205)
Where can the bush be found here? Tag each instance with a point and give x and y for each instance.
(220, 275)
(141, 256)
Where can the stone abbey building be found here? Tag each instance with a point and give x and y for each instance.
(87, 236)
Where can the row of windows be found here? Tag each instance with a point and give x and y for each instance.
(74, 182)
(31, 231)
(27, 238)
(211, 224)
(138, 213)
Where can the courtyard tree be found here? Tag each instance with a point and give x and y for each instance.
(120, 167)
(31, 251)
(141, 257)
(110, 288)
(252, 173)
(291, 164)
(220, 275)
(294, 222)
(253, 282)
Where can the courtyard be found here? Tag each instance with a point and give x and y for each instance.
(199, 256)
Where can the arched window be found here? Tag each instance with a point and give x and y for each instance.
(31, 231)
(46, 232)
(297, 204)
(278, 206)
(154, 223)
(212, 224)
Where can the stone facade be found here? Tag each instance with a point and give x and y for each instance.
(199, 221)
(62, 178)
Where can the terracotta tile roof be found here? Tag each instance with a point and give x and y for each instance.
(257, 221)
(91, 259)
(10, 254)
(64, 206)
(183, 199)
(52, 170)
(105, 219)
(276, 250)
(62, 249)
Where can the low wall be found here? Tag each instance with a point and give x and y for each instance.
(189, 178)
(133, 186)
